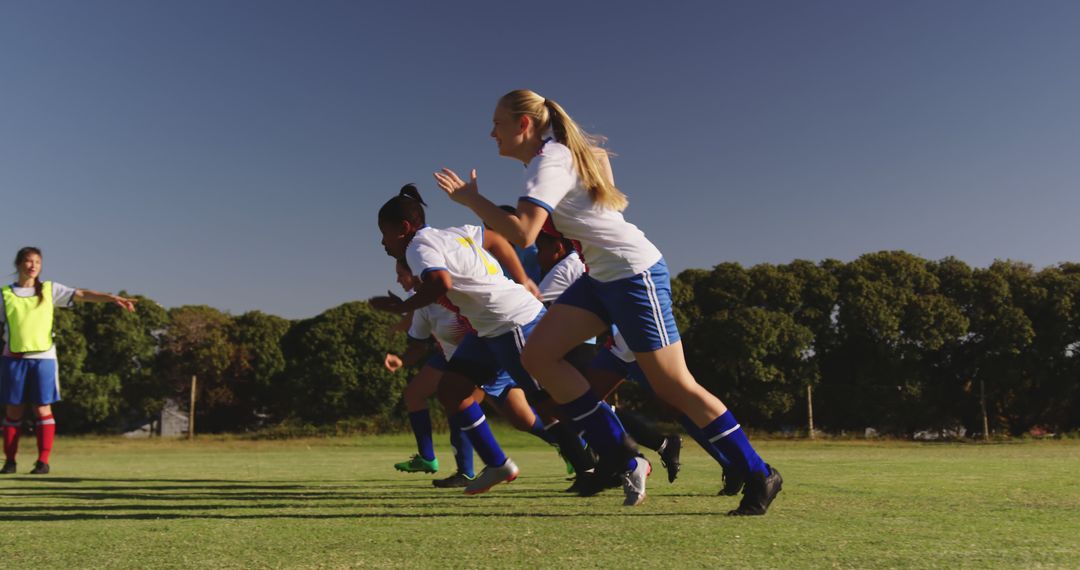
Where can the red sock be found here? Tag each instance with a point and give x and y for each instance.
(11, 437)
(46, 431)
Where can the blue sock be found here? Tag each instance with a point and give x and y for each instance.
(699, 436)
(539, 430)
(421, 428)
(727, 435)
(463, 451)
(602, 429)
(474, 424)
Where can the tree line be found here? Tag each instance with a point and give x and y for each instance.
(889, 340)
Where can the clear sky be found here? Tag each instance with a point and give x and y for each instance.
(235, 153)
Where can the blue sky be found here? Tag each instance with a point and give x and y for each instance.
(235, 153)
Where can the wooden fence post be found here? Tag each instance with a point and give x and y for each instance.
(191, 411)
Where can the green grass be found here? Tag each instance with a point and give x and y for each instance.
(338, 503)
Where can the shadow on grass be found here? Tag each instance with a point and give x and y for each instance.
(187, 482)
(47, 517)
(67, 499)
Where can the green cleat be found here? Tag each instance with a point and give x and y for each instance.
(418, 464)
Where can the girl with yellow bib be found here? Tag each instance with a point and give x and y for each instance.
(28, 369)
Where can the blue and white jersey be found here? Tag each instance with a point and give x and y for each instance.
(613, 248)
(437, 321)
(492, 303)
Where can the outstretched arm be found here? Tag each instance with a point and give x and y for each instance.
(521, 229)
(88, 296)
(435, 284)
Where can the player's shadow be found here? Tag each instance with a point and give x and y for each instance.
(465, 513)
(166, 499)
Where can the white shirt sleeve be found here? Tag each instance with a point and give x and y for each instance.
(560, 277)
(422, 257)
(550, 176)
(421, 325)
(63, 296)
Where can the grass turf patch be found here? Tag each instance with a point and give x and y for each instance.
(332, 503)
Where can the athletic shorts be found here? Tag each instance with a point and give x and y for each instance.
(436, 360)
(639, 305)
(496, 388)
(29, 381)
(481, 359)
(607, 361)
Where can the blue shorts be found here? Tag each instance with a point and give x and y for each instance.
(499, 357)
(29, 381)
(500, 386)
(639, 305)
(436, 361)
(607, 361)
(496, 388)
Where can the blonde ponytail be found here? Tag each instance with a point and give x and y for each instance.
(583, 147)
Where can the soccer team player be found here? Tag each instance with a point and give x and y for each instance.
(29, 373)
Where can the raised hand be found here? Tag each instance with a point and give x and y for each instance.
(457, 189)
(127, 304)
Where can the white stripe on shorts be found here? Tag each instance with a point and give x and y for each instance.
(658, 315)
(519, 339)
(724, 434)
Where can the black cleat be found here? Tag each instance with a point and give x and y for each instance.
(9, 467)
(590, 483)
(669, 457)
(758, 494)
(609, 469)
(733, 483)
(40, 468)
(457, 480)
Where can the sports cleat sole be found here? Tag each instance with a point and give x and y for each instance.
(511, 476)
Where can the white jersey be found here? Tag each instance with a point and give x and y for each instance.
(565, 272)
(493, 304)
(437, 321)
(613, 248)
(63, 296)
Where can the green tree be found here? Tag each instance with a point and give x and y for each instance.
(256, 364)
(196, 343)
(335, 367)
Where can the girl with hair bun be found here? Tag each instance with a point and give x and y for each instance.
(459, 268)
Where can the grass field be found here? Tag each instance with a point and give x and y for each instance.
(338, 503)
